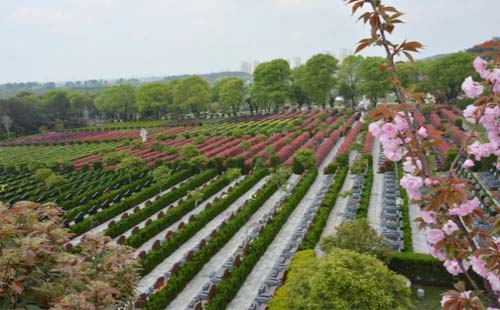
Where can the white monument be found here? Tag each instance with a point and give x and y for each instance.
(144, 134)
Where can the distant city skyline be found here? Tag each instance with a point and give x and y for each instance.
(71, 40)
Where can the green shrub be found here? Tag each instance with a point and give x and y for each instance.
(364, 203)
(162, 136)
(97, 165)
(169, 150)
(137, 145)
(156, 147)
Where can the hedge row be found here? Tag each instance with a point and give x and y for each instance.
(176, 283)
(108, 196)
(135, 199)
(406, 215)
(153, 258)
(229, 287)
(421, 269)
(313, 235)
(176, 193)
(364, 203)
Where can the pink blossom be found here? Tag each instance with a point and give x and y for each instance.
(389, 130)
(408, 165)
(450, 227)
(469, 113)
(434, 235)
(412, 184)
(407, 140)
(400, 123)
(480, 150)
(422, 132)
(453, 266)
(430, 182)
(480, 67)
(435, 253)
(429, 217)
(494, 281)
(468, 164)
(374, 128)
(394, 155)
(479, 266)
(472, 89)
(466, 208)
(495, 79)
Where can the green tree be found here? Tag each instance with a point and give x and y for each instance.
(304, 159)
(153, 99)
(189, 151)
(130, 166)
(297, 88)
(319, 78)
(56, 104)
(349, 79)
(280, 176)
(231, 94)
(117, 101)
(41, 174)
(358, 236)
(408, 73)
(161, 175)
(271, 84)
(342, 280)
(374, 84)
(446, 74)
(192, 94)
(199, 161)
(81, 104)
(55, 181)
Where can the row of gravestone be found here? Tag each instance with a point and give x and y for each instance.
(277, 275)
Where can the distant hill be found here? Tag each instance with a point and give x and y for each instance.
(475, 49)
(11, 89)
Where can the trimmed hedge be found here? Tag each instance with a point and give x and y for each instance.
(176, 283)
(421, 269)
(313, 235)
(135, 199)
(407, 235)
(153, 258)
(364, 203)
(176, 193)
(229, 287)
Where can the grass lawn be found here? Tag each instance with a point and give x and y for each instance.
(432, 299)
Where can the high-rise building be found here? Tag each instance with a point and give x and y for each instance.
(246, 66)
(297, 62)
(343, 53)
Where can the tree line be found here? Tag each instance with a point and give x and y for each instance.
(275, 85)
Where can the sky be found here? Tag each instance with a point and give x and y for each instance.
(64, 40)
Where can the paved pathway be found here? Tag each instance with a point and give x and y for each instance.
(161, 235)
(337, 214)
(418, 236)
(375, 206)
(102, 227)
(264, 266)
(215, 263)
(167, 264)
